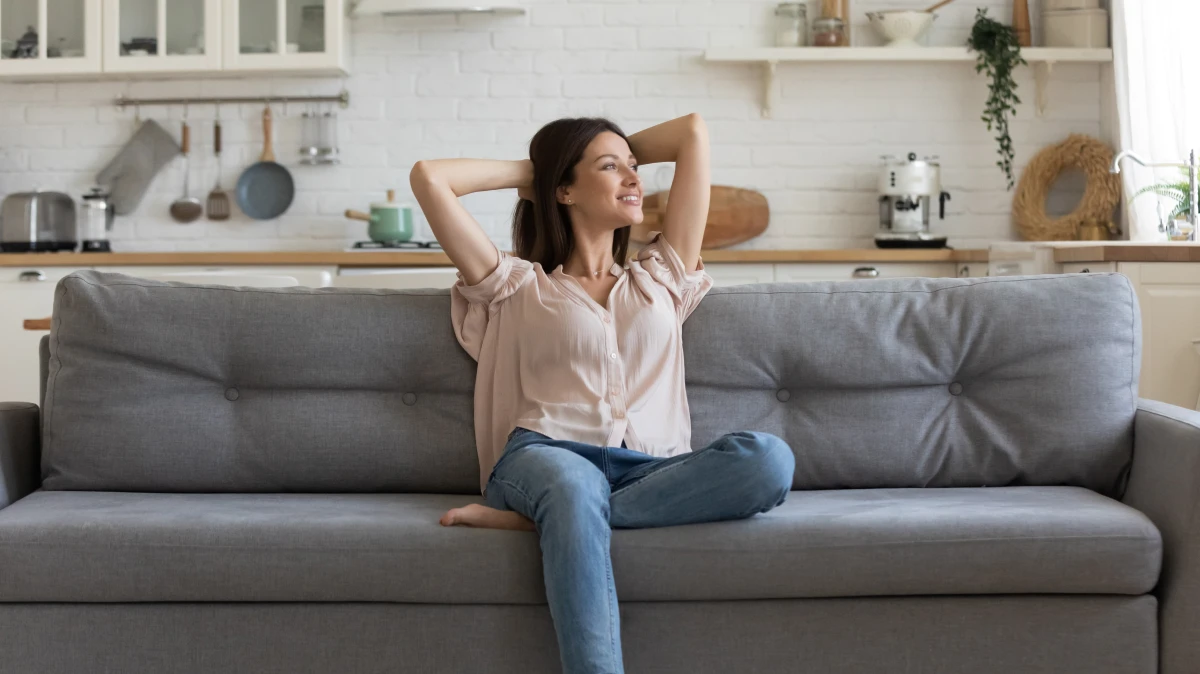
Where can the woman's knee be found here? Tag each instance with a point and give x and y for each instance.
(772, 458)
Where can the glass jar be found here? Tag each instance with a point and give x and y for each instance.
(791, 25)
(829, 32)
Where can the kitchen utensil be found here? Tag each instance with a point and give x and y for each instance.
(906, 190)
(266, 189)
(96, 221)
(1076, 28)
(186, 209)
(734, 215)
(901, 28)
(1020, 23)
(390, 220)
(130, 173)
(938, 6)
(218, 201)
(37, 221)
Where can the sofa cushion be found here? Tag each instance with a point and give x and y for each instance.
(944, 382)
(126, 547)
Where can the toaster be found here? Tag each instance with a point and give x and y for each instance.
(37, 221)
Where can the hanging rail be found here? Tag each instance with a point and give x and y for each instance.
(343, 98)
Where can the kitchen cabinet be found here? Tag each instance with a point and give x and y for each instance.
(284, 35)
(1169, 296)
(49, 37)
(162, 35)
(25, 292)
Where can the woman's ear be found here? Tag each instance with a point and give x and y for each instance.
(563, 196)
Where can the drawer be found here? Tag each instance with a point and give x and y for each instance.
(823, 271)
(724, 274)
(1088, 267)
(396, 278)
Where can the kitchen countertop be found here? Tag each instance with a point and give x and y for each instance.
(409, 258)
(1125, 251)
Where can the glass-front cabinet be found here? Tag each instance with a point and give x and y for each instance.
(46, 37)
(162, 35)
(284, 34)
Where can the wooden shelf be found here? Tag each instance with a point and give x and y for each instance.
(1041, 58)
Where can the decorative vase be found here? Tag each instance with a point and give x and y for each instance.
(1021, 23)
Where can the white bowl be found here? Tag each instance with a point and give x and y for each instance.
(901, 28)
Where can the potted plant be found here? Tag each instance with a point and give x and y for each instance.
(999, 55)
(1178, 194)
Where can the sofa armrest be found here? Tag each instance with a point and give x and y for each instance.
(20, 451)
(1164, 483)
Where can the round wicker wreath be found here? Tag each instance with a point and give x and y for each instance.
(1102, 195)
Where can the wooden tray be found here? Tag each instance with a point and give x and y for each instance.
(734, 215)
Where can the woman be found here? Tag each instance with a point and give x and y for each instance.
(581, 417)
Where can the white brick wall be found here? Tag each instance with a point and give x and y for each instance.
(481, 86)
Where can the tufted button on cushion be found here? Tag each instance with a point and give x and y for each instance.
(410, 398)
(231, 394)
(783, 395)
(955, 389)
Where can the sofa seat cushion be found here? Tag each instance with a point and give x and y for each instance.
(129, 547)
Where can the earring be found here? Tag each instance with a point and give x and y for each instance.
(570, 201)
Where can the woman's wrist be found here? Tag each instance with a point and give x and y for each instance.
(661, 142)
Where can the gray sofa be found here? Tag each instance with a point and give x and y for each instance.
(249, 480)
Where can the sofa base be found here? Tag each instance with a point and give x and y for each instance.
(932, 635)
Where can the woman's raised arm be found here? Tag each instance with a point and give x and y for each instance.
(438, 183)
(684, 141)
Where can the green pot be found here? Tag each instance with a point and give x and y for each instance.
(387, 221)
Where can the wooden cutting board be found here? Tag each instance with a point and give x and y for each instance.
(734, 215)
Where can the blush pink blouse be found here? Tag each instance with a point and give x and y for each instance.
(552, 360)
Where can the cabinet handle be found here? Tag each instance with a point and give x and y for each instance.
(866, 272)
(31, 276)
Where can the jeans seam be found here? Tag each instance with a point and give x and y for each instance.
(612, 637)
(528, 499)
(642, 480)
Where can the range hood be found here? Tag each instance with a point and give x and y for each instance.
(418, 7)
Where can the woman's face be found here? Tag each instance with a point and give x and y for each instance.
(607, 190)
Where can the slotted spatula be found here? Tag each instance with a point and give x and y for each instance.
(218, 202)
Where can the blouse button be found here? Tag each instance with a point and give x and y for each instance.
(613, 355)
(607, 318)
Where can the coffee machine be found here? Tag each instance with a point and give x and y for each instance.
(907, 190)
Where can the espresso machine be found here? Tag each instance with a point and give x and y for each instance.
(907, 190)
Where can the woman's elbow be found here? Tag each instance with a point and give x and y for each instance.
(422, 174)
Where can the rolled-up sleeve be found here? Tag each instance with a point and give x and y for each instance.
(664, 264)
(471, 305)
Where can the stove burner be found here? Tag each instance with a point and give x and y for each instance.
(398, 244)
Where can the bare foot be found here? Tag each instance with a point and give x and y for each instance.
(483, 517)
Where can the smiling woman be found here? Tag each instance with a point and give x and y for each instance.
(579, 393)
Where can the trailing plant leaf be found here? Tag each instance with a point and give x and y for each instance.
(1179, 193)
(999, 53)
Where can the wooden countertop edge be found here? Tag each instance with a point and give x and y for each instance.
(1130, 253)
(439, 259)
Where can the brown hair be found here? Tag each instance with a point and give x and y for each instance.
(541, 230)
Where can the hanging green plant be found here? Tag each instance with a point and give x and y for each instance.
(999, 55)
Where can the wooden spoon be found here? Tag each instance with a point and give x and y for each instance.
(941, 4)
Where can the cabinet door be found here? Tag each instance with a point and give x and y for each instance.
(162, 35)
(25, 292)
(826, 271)
(255, 277)
(49, 37)
(1169, 297)
(724, 274)
(280, 35)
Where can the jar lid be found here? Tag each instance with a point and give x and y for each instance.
(791, 9)
(829, 22)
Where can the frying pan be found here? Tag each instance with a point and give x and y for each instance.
(265, 189)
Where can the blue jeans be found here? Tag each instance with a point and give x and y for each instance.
(577, 493)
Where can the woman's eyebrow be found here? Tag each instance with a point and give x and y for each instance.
(603, 156)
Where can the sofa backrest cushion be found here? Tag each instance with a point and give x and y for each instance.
(157, 386)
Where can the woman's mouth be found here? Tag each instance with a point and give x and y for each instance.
(631, 200)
